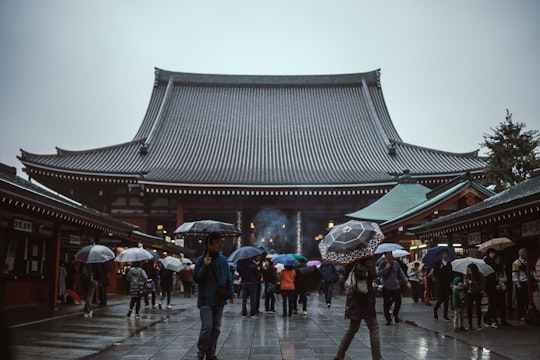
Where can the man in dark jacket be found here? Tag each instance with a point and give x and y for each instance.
(211, 270)
(361, 306)
(490, 319)
(442, 272)
(250, 274)
(329, 274)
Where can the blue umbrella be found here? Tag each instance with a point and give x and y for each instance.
(286, 260)
(245, 252)
(387, 247)
(434, 254)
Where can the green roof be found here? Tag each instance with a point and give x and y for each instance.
(402, 197)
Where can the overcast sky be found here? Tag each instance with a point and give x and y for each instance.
(78, 75)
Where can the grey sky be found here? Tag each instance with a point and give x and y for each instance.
(78, 75)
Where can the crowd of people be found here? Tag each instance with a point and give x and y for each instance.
(258, 278)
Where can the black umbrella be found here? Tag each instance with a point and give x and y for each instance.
(206, 227)
(308, 278)
(351, 241)
(245, 252)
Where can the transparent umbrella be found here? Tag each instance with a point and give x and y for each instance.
(94, 253)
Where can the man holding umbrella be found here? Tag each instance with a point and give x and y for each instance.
(211, 271)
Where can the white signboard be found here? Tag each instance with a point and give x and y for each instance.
(474, 238)
(22, 225)
(530, 228)
(179, 242)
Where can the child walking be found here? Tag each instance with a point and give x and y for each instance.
(459, 296)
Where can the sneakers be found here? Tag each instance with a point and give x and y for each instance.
(446, 318)
(147, 307)
(137, 316)
(495, 325)
(435, 315)
(480, 328)
(159, 306)
(304, 312)
(328, 305)
(129, 313)
(169, 306)
(88, 314)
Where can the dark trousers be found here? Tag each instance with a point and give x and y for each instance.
(102, 293)
(269, 299)
(249, 291)
(522, 299)
(443, 293)
(328, 287)
(165, 292)
(492, 306)
(354, 325)
(153, 294)
(475, 299)
(288, 298)
(90, 289)
(135, 301)
(415, 290)
(187, 288)
(500, 299)
(391, 297)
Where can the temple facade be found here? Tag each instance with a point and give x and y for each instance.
(283, 157)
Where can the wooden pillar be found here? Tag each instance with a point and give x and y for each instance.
(179, 212)
(55, 258)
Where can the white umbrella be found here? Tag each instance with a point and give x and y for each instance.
(460, 266)
(134, 254)
(186, 261)
(172, 263)
(496, 243)
(400, 253)
(94, 254)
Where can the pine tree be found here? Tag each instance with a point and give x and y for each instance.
(512, 153)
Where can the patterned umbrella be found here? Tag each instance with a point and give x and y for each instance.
(350, 241)
(205, 227)
(94, 254)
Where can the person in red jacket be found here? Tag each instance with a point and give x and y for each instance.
(286, 278)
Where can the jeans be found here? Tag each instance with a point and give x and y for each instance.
(249, 291)
(354, 325)
(269, 299)
(389, 297)
(210, 330)
(89, 295)
(328, 290)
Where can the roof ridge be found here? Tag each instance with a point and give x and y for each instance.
(372, 77)
(470, 154)
(60, 151)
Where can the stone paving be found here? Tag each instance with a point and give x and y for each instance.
(172, 334)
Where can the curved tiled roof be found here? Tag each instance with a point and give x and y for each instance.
(240, 130)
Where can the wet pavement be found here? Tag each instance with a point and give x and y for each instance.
(172, 334)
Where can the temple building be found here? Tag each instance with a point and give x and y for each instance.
(280, 156)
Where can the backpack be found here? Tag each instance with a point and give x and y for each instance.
(358, 279)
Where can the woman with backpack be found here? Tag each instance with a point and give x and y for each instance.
(136, 278)
(360, 305)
